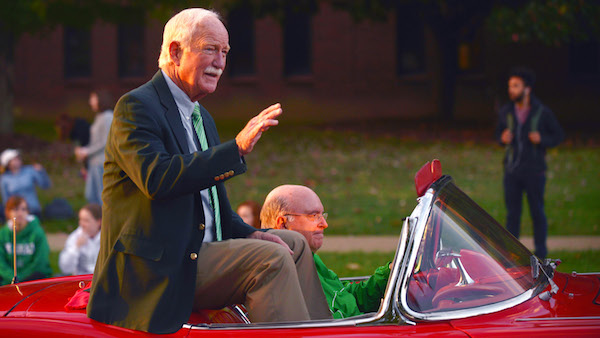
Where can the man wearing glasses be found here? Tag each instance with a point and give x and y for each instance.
(298, 208)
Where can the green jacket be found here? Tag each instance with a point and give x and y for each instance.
(32, 252)
(347, 299)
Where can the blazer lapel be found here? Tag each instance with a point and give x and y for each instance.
(171, 111)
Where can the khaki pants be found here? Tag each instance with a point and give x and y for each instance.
(273, 285)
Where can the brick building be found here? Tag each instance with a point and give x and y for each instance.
(321, 65)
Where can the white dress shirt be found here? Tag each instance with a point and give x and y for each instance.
(186, 108)
(82, 260)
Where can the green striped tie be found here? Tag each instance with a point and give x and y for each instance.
(214, 199)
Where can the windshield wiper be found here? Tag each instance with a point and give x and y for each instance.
(536, 266)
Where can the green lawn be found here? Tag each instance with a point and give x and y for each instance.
(366, 181)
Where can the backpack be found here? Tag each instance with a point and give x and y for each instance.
(58, 208)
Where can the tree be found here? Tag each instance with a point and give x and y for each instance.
(19, 17)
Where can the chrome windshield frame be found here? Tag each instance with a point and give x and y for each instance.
(421, 213)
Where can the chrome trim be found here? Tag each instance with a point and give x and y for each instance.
(585, 273)
(464, 275)
(555, 318)
(386, 307)
(354, 279)
(236, 308)
(422, 212)
(262, 326)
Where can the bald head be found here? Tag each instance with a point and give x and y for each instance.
(281, 200)
(297, 208)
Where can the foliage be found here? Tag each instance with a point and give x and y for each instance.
(273, 8)
(553, 22)
(33, 16)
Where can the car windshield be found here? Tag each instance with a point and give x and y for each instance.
(465, 258)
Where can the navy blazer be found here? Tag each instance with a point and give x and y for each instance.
(152, 217)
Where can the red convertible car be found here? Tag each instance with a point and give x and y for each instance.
(456, 272)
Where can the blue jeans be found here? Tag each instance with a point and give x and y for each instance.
(533, 185)
(93, 184)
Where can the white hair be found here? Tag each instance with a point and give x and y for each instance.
(182, 28)
(274, 206)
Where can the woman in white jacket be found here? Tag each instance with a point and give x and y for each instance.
(82, 246)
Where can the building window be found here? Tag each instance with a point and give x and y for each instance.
(77, 48)
(240, 59)
(297, 43)
(584, 58)
(410, 37)
(131, 50)
(470, 50)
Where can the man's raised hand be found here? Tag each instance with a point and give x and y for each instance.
(248, 137)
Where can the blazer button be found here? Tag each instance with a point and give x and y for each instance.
(193, 256)
(201, 226)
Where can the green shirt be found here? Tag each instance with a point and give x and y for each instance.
(346, 299)
(32, 252)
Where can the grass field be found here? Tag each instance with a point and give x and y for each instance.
(365, 180)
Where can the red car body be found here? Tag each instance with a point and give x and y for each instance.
(456, 273)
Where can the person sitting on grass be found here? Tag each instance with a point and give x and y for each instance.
(32, 247)
(82, 246)
(298, 208)
(18, 179)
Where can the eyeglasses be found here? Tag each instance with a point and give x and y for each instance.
(312, 217)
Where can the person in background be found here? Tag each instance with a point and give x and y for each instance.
(82, 246)
(101, 102)
(298, 208)
(21, 180)
(526, 128)
(249, 211)
(32, 247)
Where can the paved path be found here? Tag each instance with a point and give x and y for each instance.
(389, 243)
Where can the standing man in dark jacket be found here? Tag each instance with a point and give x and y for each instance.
(170, 241)
(526, 128)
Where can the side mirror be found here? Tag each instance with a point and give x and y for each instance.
(429, 173)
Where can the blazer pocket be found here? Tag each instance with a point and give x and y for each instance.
(138, 246)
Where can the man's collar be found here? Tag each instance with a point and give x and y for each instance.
(183, 102)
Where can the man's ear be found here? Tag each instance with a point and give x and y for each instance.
(281, 222)
(527, 90)
(175, 52)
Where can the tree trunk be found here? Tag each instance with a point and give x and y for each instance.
(6, 82)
